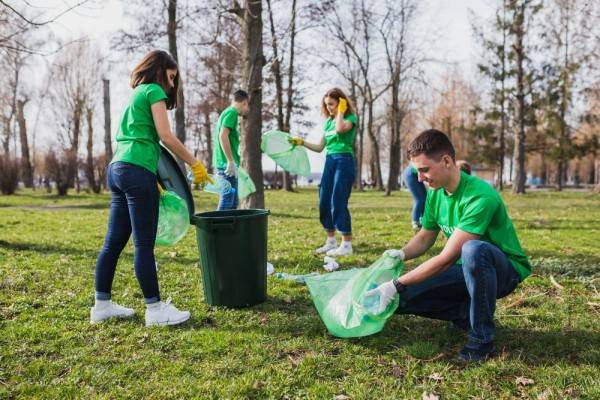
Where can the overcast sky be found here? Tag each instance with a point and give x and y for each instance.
(446, 20)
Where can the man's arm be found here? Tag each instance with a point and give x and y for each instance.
(420, 243)
(225, 144)
(441, 262)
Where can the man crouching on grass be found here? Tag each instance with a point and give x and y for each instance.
(482, 260)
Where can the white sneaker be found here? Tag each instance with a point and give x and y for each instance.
(164, 313)
(107, 309)
(329, 245)
(345, 249)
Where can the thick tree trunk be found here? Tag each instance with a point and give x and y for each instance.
(172, 35)
(253, 64)
(107, 136)
(26, 168)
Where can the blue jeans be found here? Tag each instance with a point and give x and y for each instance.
(334, 192)
(229, 200)
(134, 207)
(418, 192)
(466, 292)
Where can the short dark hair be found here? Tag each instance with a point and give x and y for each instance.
(433, 143)
(464, 166)
(240, 95)
(153, 69)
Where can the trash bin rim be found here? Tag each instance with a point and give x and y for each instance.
(201, 216)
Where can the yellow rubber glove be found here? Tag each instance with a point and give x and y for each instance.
(342, 106)
(160, 189)
(200, 175)
(296, 141)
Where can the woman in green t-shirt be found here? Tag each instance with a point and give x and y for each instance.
(131, 176)
(339, 171)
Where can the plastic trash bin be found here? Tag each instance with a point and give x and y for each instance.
(233, 256)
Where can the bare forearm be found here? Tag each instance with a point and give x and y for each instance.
(226, 145)
(175, 145)
(419, 244)
(428, 269)
(318, 147)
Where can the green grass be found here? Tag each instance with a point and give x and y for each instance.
(281, 349)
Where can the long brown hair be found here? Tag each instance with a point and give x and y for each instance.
(153, 69)
(337, 94)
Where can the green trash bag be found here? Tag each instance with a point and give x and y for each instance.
(293, 159)
(173, 219)
(341, 302)
(245, 185)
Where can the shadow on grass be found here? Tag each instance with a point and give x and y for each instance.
(44, 248)
(292, 216)
(424, 338)
(532, 347)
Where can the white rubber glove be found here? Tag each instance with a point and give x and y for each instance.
(395, 253)
(386, 292)
(231, 169)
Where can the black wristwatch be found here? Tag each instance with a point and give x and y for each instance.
(400, 287)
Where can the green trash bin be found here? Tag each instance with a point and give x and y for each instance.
(233, 256)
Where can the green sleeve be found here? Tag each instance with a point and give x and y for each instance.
(477, 214)
(428, 220)
(230, 120)
(155, 93)
(352, 118)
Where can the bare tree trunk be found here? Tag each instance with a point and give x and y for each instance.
(276, 69)
(519, 150)
(172, 34)
(107, 136)
(89, 165)
(395, 143)
(361, 143)
(375, 155)
(208, 132)
(72, 169)
(251, 19)
(287, 179)
(26, 168)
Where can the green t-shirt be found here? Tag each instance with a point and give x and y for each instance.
(476, 208)
(337, 143)
(137, 141)
(227, 119)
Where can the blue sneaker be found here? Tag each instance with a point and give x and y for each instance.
(474, 352)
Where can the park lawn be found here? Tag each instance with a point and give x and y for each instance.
(548, 336)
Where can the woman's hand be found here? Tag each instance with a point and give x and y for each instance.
(296, 141)
(342, 106)
(200, 175)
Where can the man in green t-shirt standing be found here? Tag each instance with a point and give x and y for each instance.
(226, 157)
(482, 260)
